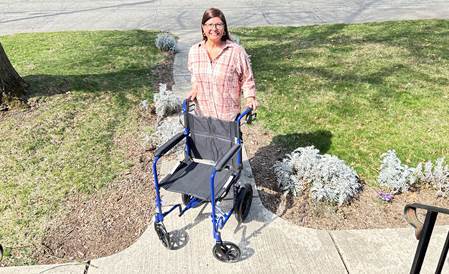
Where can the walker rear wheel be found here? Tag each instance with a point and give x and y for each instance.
(242, 202)
(226, 252)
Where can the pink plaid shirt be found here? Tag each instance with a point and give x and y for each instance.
(220, 82)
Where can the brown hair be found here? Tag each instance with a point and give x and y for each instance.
(211, 13)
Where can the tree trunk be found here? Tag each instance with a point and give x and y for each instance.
(12, 86)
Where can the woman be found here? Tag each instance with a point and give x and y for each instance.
(221, 71)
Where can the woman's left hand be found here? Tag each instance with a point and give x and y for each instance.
(252, 103)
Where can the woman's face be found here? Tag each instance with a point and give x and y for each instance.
(214, 29)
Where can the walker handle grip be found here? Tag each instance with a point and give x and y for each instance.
(247, 112)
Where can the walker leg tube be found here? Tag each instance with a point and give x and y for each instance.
(213, 215)
(159, 214)
(239, 153)
(185, 106)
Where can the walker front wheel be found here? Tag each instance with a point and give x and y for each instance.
(186, 200)
(226, 252)
(162, 234)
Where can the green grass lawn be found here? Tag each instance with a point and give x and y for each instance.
(87, 87)
(355, 91)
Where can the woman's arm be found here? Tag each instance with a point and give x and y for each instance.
(248, 84)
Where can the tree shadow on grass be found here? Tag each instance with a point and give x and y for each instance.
(412, 36)
(386, 80)
(118, 83)
(265, 157)
(321, 139)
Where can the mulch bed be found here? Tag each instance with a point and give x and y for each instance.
(107, 221)
(367, 211)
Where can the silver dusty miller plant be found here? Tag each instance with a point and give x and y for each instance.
(394, 175)
(400, 178)
(166, 42)
(329, 178)
(441, 177)
(168, 128)
(166, 102)
(437, 175)
(286, 179)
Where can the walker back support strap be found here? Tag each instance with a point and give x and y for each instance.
(211, 138)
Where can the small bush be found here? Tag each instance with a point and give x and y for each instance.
(329, 178)
(441, 177)
(400, 178)
(285, 177)
(166, 42)
(166, 102)
(168, 128)
(437, 176)
(394, 175)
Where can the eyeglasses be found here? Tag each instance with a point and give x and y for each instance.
(218, 26)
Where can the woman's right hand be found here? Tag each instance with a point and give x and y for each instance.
(192, 95)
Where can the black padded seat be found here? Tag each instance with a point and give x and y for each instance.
(194, 179)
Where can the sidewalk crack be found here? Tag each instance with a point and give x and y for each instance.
(339, 252)
(87, 267)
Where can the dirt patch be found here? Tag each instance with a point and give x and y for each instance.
(113, 218)
(104, 224)
(164, 72)
(107, 221)
(367, 211)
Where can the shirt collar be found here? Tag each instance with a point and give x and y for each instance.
(228, 44)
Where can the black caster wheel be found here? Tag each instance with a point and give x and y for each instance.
(186, 199)
(226, 252)
(162, 234)
(242, 202)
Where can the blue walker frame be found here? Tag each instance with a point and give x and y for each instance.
(218, 220)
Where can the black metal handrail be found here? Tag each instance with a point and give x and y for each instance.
(423, 232)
